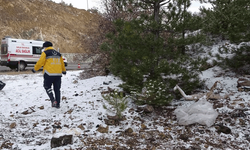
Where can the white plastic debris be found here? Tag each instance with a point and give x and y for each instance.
(201, 112)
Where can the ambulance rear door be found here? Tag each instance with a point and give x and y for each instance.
(4, 51)
(36, 50)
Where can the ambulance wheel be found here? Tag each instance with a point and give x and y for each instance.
(22, 65)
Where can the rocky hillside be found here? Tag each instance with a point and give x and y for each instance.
(61, 24)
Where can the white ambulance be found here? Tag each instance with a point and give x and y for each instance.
(18, 53)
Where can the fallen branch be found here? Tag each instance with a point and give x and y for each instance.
(209, 95)
(188, 97)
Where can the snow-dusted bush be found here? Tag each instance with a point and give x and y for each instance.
(154, 92)
(117, 103)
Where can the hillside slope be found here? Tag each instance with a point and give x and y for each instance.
(63, 25)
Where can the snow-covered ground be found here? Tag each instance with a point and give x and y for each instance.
(25, 103)
(29, 122)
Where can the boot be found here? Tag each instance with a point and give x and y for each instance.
(50, 94)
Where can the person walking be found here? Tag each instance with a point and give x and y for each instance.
(53, 68)
(2, 85)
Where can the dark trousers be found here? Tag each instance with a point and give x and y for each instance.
(56, 82)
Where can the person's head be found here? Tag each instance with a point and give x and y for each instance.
(47, 44)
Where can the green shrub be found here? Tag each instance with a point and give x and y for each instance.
(154, 92)
(117, 101)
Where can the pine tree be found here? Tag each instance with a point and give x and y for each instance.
(117, 102)
(228, 19)
(149, 51)
(183, 24)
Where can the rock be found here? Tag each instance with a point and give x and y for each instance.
(146, 108)
(184, 137)
(107, 83)
(218, 105)
(56, 126)
(103, 129)
(61, 141)
(113, 120)
(223, 129)
(41, 107)
(35, 124)
(81, 127)
(64, 98)
(12, 125)
(110, 122)
(26, 112)
(112, 117)
(128, 131)
(243, 84)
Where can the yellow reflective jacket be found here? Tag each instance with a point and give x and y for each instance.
(51, 61)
